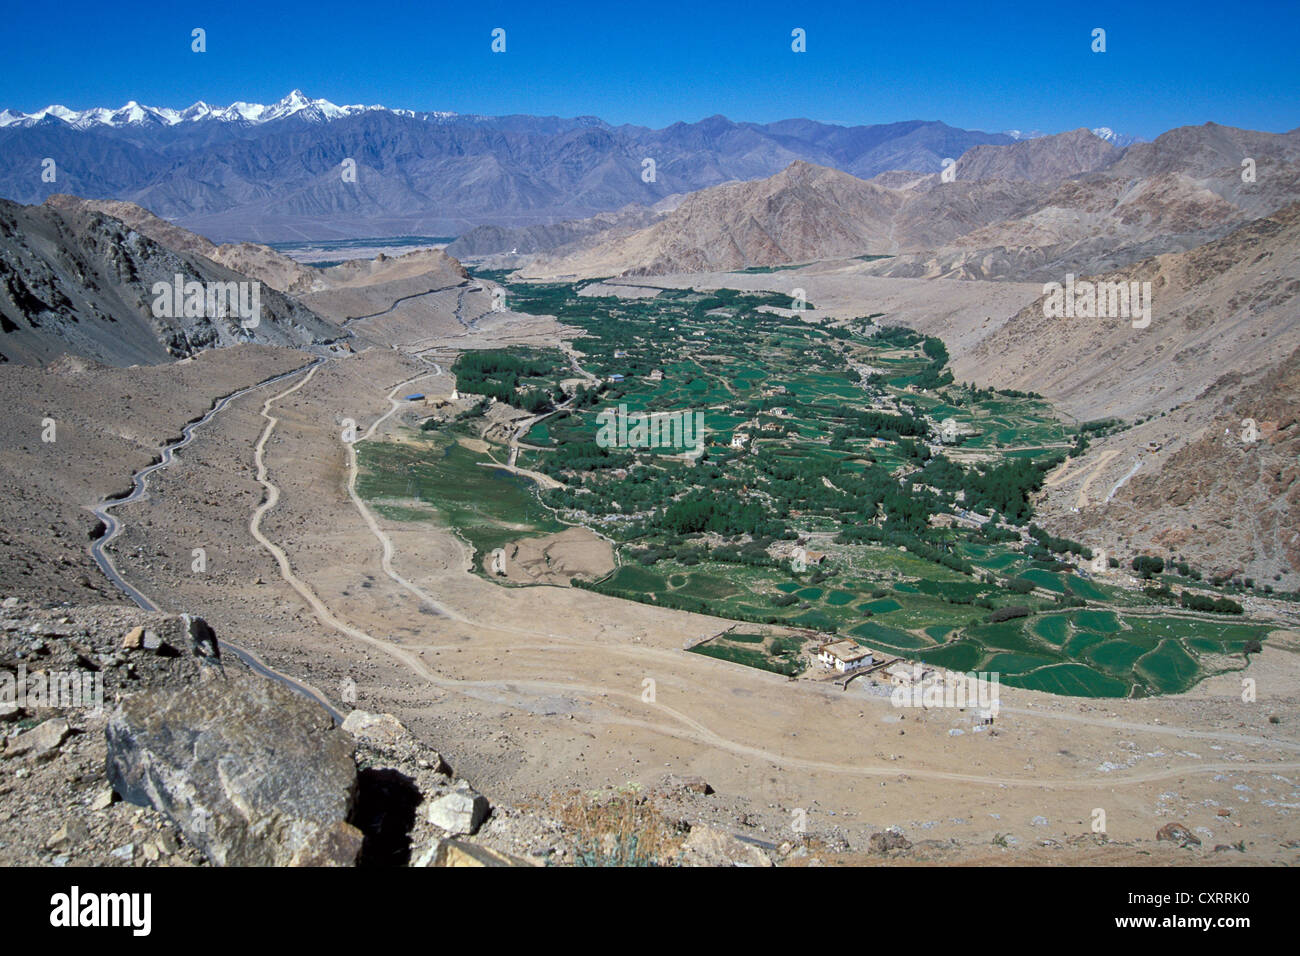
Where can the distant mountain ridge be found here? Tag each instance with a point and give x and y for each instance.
(1119, 140)
(1032, 210)
(273, 172)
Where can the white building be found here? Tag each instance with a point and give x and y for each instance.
(844, 656)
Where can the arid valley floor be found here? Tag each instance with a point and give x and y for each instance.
(532, 691)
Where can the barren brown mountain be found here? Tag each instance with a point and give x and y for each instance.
(1221, 348)
(1028, 211)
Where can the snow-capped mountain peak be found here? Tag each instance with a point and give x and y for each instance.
(1118, 140)
(296, 103)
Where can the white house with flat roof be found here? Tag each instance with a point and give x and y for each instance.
(844, 656)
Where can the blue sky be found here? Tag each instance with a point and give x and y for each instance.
(985, 66)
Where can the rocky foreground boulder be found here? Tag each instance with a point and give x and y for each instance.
(251, 773)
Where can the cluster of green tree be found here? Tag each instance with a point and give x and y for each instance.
(1020, 585)
(497, 373)
(785, 646)
(753, 554)
(701, 512)
(935, 374)
(1187, 571)
(977, 393)
(999, 489)
(907, 511)
(1202, 602)
(1044, 560)
(896, 336)
(1102, 426)
(992, 534)
(586, 397)
(1147, 566)
(1099, 428)
(794, 482)
(585, 456)
(861, 534)
(1008, 613)
(858, 423)
(1059, 545)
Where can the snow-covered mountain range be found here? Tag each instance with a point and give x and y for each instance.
(296, 103)
(299, 104)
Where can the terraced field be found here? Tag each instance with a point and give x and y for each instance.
(846, 510)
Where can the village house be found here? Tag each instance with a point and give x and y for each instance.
(844, 656)
(738, 440)
(657, 375)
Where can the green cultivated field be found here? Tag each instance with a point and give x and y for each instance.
(489, 507)
(844, 457)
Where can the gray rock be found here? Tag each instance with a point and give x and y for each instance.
(40, 741)
(707, 846)
(382, 729)
(251, 773)
(460, 811)
(887, 841)
(202, 639)
(70, 835)
(1177, 833)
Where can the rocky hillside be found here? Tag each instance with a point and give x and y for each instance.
(74, 280)
(1223, 346)
(251, 259)
(1046, 159)
(1227, 306)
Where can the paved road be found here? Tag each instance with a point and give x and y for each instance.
(112, 527)
(406, 298)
